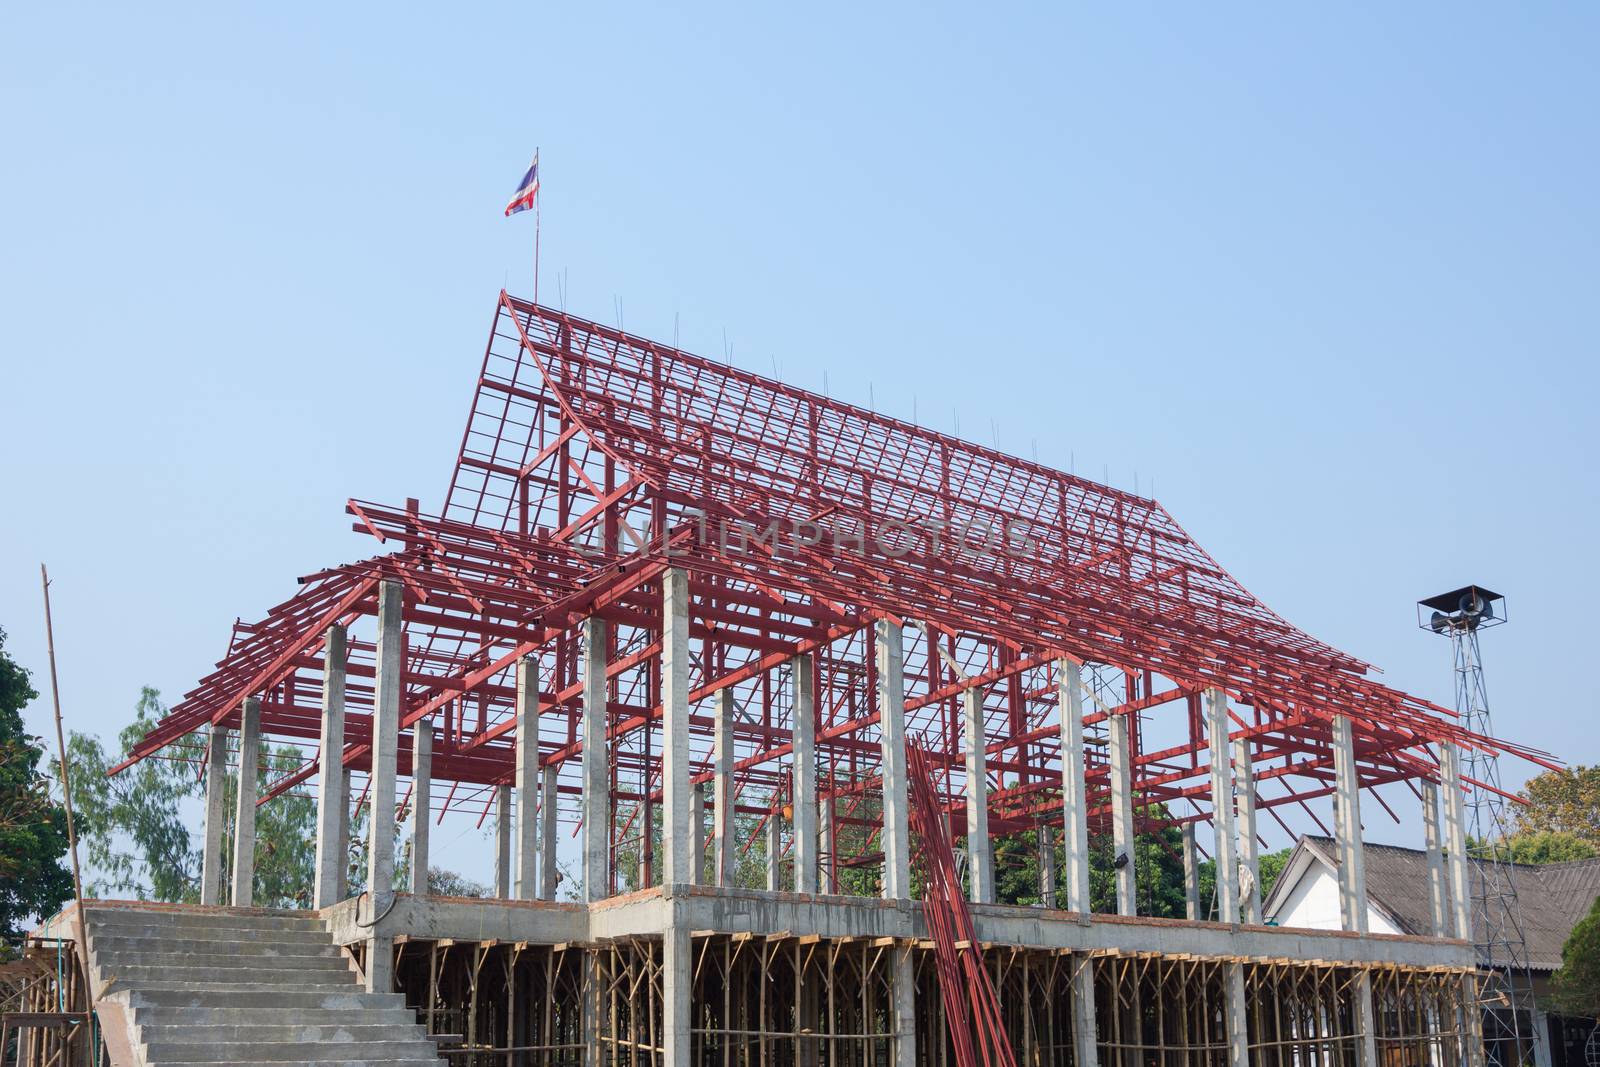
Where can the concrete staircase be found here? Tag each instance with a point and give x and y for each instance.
(247, 987)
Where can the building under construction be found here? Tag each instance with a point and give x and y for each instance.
(674, 619)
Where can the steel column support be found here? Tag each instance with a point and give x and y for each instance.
(332, 849)
(244, 815)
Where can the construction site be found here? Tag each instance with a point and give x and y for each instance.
(672, 618)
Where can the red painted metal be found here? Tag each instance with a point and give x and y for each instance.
(593, 459)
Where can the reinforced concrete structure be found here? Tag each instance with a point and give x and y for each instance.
(688, 620)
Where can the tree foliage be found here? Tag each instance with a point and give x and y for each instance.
(1565, 801)
(33, 828)
(1537, 846)
(1577, 983)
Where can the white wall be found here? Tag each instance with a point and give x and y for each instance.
(1313, 903)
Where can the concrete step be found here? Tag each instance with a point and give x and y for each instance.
(289, 1051)
(374, 1015)
(353, 1029)
(109, 919)
(351, 999)
(208, 941)
(128, 961)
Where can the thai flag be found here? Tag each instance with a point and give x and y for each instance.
(527, 189)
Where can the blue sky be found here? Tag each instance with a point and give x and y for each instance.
(1322, 276)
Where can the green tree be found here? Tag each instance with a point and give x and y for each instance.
(1577, 983)
(33, 828)
(1537, 846)
(1565, 801)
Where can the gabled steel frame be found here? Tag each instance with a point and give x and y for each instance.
(592, 460)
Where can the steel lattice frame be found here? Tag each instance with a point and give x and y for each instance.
(593, 459)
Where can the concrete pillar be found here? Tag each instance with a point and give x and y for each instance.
(216, 815)
(1191, 874)
(826, 843)
(677, 983)
(722, 820)
(549, 809)
(905, 1005)
(421, 802)
(1122, 842)
(343, 889)
(527, 800)
(502, 842)
(332, 848)
(1226, 856)
(1540, 1023)
(1047, 865)
(1238, 1021)
(1438, 907)
(774, 849)
(1455, 836)
(804, 823)
(675, 729)
(892, 730)
(1244, 794)
(697, 834)
(1085, 1045)
(1074, 791)
(385, 755)
(596, 780)
(1352, 876)
(1347, 824)
(244, 815)
(980, 850)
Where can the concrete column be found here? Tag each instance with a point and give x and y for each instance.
(722, 820)
(1353, 876)
(1122, 842)
(1085, 1047)
(804, 823)
(905, 1006)
(1238, 1021)
(596, 780)
(549, 809)
(421, 803)
(675, 729)
(697, 834)
(1191, 874)
(1455, 836)
(216, 815)
(1541, 1036)
(1438, 907)
(1225, 855)
(527, 764)
(1047, 865)
(385, 756)
(1347, 820)
(980, 850)
(774, 849)
(244, 814)
(1074, 792)
(827, 838)
(892, 729)
(332, 848)
(1244, 795)
(677, 982)
(502, 842)
(343, 889)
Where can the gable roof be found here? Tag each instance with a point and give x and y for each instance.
(1551, 897)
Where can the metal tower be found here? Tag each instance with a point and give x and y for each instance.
(1506, 990)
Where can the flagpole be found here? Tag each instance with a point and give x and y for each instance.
(536, 237)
